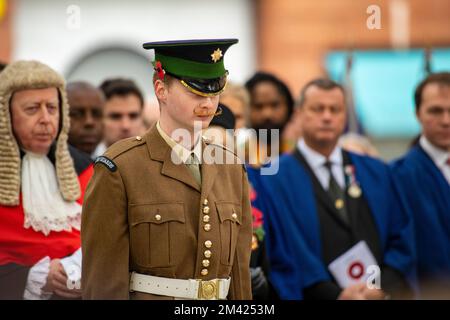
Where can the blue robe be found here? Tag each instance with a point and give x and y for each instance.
(292, 228)
(427, 194)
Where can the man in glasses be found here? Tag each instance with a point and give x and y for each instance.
(161, 220)
(122, 112)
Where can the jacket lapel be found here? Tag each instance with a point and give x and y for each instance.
(353, 204)
(319, 192)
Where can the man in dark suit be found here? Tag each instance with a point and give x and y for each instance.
(332, 217)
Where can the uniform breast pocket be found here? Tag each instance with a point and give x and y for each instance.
(154, 230)
(230, 216)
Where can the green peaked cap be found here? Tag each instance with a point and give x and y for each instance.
(195, 59)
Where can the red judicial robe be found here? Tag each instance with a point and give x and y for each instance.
(21, 248)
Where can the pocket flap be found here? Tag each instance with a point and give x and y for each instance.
(156, 213)
(229, 211)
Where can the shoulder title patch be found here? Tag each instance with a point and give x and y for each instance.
(107, 162)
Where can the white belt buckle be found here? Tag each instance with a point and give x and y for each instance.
(208, 289)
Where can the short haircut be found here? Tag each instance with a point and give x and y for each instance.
(322, 83)
(83, 86)
(121, 87)
(441, 78)
(283, 89)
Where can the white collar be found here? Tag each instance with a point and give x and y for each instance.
(44, 208)
(438, 155)
(315, 159)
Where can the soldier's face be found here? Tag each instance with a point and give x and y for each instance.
(185, 108)
(323, 115)
(434, 114)
(35, 118)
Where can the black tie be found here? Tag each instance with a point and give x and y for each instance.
(336, 194)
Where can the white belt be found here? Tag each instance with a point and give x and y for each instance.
(186, 289)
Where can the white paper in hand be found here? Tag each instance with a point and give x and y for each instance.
(351, 267)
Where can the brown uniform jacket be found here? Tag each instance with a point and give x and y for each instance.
(144, 213)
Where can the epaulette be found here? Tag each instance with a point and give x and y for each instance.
(116, 150)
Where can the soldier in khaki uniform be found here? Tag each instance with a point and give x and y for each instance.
(160, 222)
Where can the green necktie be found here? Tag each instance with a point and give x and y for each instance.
(336, 194)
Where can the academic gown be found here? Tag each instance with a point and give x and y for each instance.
(294, 224)
(427, 195)
(259, 263)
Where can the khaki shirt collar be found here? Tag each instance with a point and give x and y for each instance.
(183, 153)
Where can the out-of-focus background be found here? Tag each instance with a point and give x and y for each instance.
(378, 49)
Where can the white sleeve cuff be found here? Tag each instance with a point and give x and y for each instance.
(72, 267)
(37, 278)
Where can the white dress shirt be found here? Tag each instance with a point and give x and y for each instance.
(439, 156)
(317, 163)
(38, 274)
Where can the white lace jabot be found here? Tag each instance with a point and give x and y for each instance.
(44, 207)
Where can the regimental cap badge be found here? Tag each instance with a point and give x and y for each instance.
(216, 55)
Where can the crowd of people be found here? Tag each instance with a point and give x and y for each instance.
(80, 159)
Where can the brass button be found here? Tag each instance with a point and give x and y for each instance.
(206, 210)
(208, 253)
(206, 218)
(234, 216)
(205, 263)
(138, 138)
(339, 204)
(158, 217)
(208, 244)
(205, 202)
(204, 272)
(207, 227)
